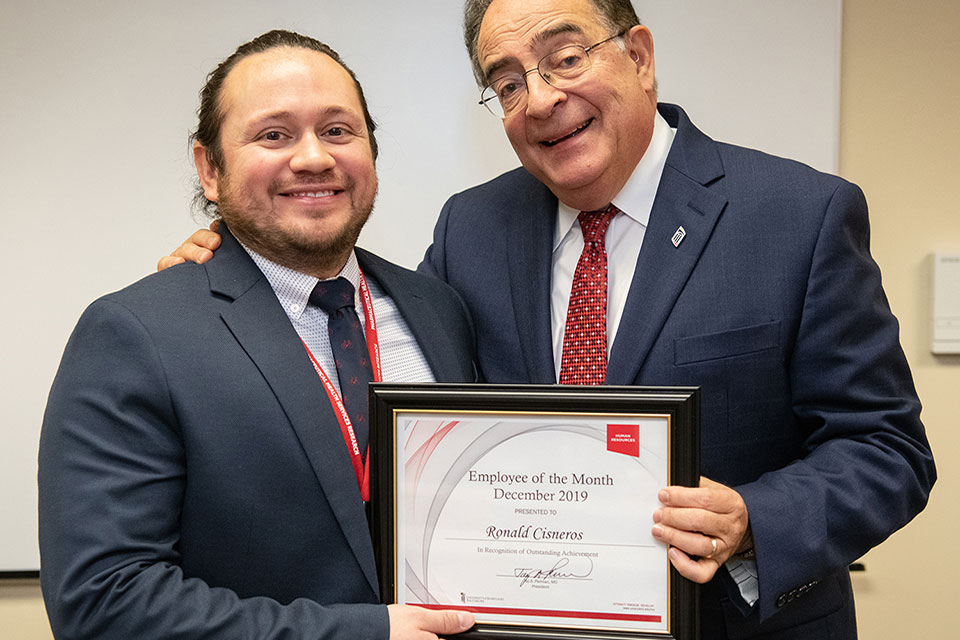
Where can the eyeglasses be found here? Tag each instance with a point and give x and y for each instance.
(508, 93)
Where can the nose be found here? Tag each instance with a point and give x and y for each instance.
(311, 155)
(542, 97)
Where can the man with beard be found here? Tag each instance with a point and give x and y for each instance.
(203, 449)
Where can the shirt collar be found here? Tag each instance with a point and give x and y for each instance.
(636, 198)
(293, 288)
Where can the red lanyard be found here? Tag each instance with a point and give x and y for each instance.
(361, 463)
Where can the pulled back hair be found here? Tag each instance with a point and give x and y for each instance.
(210, 114)
(617, 15)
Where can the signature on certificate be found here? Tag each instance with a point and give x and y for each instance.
(559, 571)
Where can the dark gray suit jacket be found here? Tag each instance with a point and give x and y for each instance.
(194, 482)
(773, 305)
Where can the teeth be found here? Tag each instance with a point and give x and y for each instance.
(550, 143)
(311, 194)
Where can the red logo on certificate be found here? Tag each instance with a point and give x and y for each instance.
(624, 438)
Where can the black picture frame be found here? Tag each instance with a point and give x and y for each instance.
(681, 404)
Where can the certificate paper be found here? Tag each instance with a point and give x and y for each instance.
(537, 519)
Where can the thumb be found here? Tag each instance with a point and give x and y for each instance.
(449, 621)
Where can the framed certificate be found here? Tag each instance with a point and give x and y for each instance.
(531, 505)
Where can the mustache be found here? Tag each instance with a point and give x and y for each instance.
(330, 176)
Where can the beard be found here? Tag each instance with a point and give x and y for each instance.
(318, 245)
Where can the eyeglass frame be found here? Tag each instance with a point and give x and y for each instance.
(523, 75)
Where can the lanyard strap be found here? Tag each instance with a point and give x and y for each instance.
(361, 462)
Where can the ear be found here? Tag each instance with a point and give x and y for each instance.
(208, 174)
(639, 44)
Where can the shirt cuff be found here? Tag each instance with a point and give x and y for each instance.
(743, 570)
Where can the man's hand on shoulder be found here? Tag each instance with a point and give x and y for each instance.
(198, 248)
(703, 525)
(413, 623)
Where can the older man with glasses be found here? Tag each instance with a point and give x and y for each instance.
(632, 249)
(747, 275)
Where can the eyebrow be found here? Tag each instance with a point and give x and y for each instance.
(538, 40)
(282, 114)
(553, 32)
(270, 115)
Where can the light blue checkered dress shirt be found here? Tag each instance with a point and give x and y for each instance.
(400, 355)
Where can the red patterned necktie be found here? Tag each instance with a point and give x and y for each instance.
(584, 357)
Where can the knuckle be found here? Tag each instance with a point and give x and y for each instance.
(704, 498)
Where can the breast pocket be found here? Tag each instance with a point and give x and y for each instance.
(726, 344)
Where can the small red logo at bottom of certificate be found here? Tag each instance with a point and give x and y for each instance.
(624, 438)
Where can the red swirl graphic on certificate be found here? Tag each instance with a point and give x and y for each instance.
(533, 519)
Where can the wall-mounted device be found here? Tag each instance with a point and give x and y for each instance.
(946, 302)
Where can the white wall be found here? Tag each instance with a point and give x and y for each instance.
(97, 98)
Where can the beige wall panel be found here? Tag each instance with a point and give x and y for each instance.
(900, 140)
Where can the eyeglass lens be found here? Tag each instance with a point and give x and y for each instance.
(508, 93)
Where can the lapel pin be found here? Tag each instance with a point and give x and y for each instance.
(679, 236)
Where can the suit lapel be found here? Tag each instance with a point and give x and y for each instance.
(529, 261)
(446, 359)
(663, 269)
(259, 324)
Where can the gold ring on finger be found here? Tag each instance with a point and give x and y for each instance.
(713, 550)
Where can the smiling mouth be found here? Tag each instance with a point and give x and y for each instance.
(311, 194)
(575, 132)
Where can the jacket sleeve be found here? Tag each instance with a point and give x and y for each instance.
(867, 468)
(112, 476)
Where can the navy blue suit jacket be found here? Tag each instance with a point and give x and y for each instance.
(194, 482)
(773, 305)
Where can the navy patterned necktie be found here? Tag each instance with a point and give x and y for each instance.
(349, 351)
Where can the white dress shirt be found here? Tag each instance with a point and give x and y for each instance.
(623, 240)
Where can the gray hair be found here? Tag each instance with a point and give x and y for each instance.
(617, 15)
